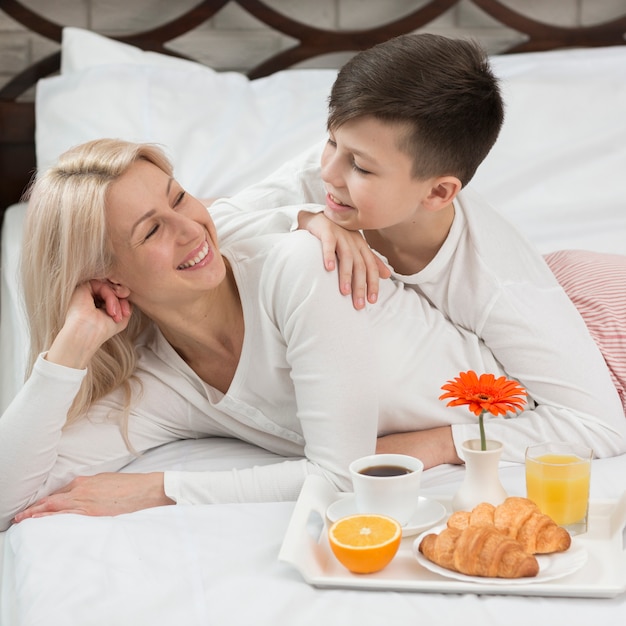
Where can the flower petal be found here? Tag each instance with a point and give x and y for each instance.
(484, 393)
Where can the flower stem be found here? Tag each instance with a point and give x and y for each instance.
(483, 440)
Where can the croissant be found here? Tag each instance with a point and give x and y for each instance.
(479, 551)
(520, 519)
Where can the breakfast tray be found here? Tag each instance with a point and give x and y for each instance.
(306, 547)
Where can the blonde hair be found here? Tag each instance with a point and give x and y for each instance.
(66, 244)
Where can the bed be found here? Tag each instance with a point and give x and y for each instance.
(557, 171)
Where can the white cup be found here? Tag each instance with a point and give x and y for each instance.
(384, 490)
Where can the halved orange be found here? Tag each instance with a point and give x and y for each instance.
(365, 544)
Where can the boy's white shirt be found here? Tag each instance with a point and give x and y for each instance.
(489, 279)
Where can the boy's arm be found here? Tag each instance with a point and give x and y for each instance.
(433, 447)
(299, 181)
(358, 267)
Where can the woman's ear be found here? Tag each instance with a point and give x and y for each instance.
(443, 191)
(121, 291)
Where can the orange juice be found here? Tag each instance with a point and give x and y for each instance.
(559, 485)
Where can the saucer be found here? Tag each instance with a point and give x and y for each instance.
(428, 513)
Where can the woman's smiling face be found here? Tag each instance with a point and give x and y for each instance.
(164, 242)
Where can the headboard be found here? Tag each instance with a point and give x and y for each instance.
(17, 117)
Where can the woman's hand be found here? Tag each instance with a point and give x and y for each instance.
(95, 314)
(433, 447)
(102, 494)
(359, 268)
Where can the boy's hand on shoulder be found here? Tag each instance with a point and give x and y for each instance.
(359, 268)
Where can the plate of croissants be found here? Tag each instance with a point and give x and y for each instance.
(511, 543)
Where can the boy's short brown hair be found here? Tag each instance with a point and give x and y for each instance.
(441, 90)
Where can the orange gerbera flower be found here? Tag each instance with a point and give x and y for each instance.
(484, 394)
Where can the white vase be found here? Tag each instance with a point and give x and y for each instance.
(481, 482)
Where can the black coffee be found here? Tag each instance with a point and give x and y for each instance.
(385, 470)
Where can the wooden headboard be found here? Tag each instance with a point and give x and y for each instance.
(17, 117)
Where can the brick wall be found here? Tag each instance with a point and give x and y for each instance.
(233, 39)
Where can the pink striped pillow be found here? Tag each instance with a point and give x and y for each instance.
(596, 284)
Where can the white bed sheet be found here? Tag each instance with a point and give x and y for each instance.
(218, 565)
(17, 576)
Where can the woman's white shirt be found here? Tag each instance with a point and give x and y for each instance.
(316, 379)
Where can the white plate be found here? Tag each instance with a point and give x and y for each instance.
(428, 513)
(551, 566)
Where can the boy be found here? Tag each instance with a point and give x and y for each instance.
(409, 122)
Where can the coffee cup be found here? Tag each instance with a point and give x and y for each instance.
(387, 484)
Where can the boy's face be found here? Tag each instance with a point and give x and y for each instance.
(368, 179)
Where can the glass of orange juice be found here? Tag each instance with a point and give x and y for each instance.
(557, 480)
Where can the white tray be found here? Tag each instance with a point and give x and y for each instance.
(305, 546)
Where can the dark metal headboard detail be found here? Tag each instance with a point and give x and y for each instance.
(17, 118)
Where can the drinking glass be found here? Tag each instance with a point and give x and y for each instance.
(557, 480)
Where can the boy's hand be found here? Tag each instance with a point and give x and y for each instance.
(359, 268)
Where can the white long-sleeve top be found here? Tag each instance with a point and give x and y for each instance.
(316, 379)
(489, 279)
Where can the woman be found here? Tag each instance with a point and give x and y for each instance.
(145, 331)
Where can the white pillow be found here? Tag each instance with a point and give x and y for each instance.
(82, 49)
(221, 130)
(556, 170)
(558, 167)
